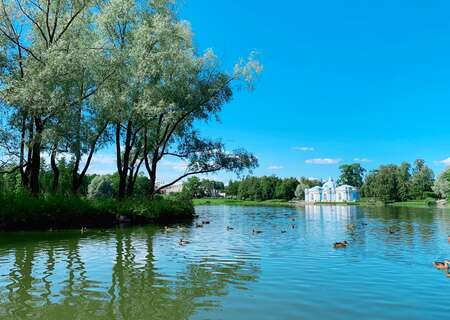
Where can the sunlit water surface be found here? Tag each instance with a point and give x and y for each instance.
(289, 271)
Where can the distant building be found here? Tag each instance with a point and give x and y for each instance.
(175, 188)
(330, 193)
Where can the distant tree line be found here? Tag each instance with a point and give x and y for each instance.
(399, 182)
(195, 188)
(266, 188)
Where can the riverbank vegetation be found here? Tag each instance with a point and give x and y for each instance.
(269, 188)
(79, 77)
(403, 185)
(245, 203)
(25, 212)
(392, 183)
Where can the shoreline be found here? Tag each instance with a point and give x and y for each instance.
(426, 203)
(22, 212)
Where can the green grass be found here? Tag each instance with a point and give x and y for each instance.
(417, 203)
(249, 203)
(24, 212)
(426, 203)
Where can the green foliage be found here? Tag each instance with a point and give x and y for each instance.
(23, 212)
(263, 188)
(196, 188)
(101, 187)
(442, 184)
(351, 174)
(305, 183)
(391, 183)
(245, 203)
(422, 179)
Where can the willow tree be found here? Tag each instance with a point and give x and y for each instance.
(197, 92)
(186, 87)
(45, 60)
(161, 86)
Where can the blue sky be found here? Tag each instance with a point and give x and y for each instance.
(343, 79)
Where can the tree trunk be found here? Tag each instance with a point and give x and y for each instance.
(152, 175)
(36, 157)
(23, 174)
(122, 165)
(55, 169)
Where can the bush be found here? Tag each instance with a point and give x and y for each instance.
(428, 194)
(24, 212)
(101, 187)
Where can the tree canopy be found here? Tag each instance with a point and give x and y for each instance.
(77, 76)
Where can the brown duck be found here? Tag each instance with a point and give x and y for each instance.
(340, 245)
(441, 265)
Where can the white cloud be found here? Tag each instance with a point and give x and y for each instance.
(108, 159)
(180, 166)
(274, 167)
(323, 161)
(304, 149)
(362, 160)
(445, 162)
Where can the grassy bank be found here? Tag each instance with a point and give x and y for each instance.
(23, 212)
(426, 203)
(417, 203)
(248, 203)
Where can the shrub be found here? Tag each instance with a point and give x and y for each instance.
(101, 187)
(24, 212)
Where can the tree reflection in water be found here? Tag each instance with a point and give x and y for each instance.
(52, 278)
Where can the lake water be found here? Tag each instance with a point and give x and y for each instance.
(289, 271)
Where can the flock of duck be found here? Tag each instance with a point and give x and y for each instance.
(440, 265)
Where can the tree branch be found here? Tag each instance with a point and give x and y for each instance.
(186, 175)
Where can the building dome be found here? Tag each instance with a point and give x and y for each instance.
(329, 184)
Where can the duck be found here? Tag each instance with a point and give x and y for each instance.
(183, 242)
(167, 229)
(256, 231)
(205, 222)
(339, 245)
(229, 228)
(199, 225)
(393, 229)
(196, 216)
(283, 231)
(441, 265)
(293, 226)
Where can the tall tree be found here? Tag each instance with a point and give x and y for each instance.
(422, 179)
(44, 57)
(352, 174)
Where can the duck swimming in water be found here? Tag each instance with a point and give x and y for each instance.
(339, 245)
(256, 231)
(441, 265)
(183, 242)
(229, 228)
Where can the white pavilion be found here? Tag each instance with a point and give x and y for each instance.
(330, 193)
